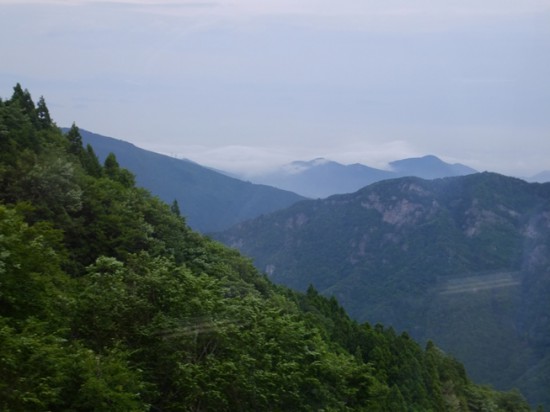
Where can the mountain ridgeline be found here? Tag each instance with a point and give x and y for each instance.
(321, 178)
(210, 201)
(464, 261)
(109, 302)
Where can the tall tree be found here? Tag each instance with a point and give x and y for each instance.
(43, 114)
(90, 162)
(23, 98)
(115, 172)
(75, 140)
(175, 208)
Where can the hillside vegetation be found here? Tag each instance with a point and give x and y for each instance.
(109, 302)
(464, 261)
(210, 201)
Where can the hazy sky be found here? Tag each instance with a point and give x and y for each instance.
(250, 83)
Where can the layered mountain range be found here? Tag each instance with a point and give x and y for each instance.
(213, 201)
(464, 261)
(210, 200)
(321, 177)
(110, 302)
(459, 260)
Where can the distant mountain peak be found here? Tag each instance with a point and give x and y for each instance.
(321, 177)
(429, 167)
(427, 159)
(300, 166)
(319, 161)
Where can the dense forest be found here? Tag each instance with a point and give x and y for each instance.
(109, 302)
(463, 261)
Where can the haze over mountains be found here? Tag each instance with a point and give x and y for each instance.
(462, 260)
(166, 176)
(210, 201)
(541, 177)
(213, 201)
(110, 302)
(321, 178)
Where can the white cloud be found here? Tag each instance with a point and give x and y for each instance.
(250, 161)
(237, 159)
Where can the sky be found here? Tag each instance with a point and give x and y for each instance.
(246, 85)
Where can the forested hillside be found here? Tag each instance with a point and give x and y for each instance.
(464, 261)
(210, 201)
(109, 302)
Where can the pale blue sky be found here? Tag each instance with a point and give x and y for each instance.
(250, 84)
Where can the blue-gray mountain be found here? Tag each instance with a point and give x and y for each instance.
(209, 200)
(541, 177)
(321, 178)
(464, 261)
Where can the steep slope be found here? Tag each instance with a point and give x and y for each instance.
(464, 261)
(109, 302)
(320, 178)
(211, 201)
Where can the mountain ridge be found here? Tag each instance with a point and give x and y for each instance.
(109, 301)
(429, 167)
(388, 251)
(320, 178)
(210, 200)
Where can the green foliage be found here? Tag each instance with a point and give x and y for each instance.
(31, 370)
(175, 208)
(113, 170)
(74, 140)
(43, 114)
(463, 261)
(42, 371)
(109, 302)
(90, 162)
(30, 274)
(23, 100)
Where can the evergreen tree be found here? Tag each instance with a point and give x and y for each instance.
(43, 114)
(175, 208)
(24, 100)
(90, 162)
(116, 173)
(75, 140)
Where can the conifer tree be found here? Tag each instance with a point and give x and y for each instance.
(75, 140)
(24, 100)
(115, 172)
(175, 208)
(91, 163)
(43, 114)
